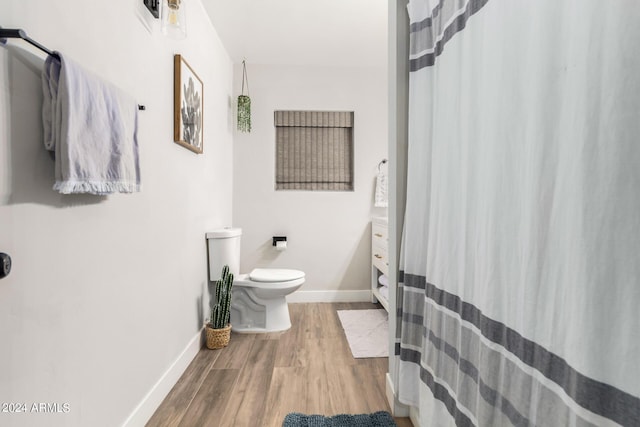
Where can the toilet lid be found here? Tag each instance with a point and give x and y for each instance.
(275, 275)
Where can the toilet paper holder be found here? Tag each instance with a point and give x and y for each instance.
(277, 239)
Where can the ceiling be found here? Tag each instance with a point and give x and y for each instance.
(302, 32)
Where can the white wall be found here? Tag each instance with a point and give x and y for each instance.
(398, 135)
(328, 232)
(105, 292)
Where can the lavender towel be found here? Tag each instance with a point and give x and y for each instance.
(91, 126)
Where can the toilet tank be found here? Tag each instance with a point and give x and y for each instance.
(224, 249)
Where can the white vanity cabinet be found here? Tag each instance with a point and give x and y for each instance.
(379, 258)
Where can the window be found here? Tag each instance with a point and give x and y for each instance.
(314, 150)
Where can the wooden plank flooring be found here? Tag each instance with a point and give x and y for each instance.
(259, 378)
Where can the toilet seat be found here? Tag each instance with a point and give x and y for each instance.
(274, 275)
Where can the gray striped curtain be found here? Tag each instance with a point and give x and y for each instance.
(520, 282)
(314, 150)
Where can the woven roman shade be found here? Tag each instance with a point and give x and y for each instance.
(314, 150)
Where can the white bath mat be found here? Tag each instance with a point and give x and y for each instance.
(366, 331)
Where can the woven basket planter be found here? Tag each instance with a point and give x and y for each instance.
(218, 338)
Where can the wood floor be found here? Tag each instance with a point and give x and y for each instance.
(259, 378)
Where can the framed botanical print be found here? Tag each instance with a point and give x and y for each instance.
(188, 106)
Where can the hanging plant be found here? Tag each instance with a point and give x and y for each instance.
(244, 104)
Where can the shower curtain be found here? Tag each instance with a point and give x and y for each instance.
(519, 301)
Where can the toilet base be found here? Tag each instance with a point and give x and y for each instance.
(253, 315)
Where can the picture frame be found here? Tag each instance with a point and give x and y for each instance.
(188, 106)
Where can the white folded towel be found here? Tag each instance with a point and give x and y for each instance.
(383, 280)
(92, 127)
(384, 291)
(381, 190)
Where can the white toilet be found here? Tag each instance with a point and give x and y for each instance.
(258, 302)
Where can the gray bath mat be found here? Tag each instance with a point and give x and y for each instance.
(377, 419)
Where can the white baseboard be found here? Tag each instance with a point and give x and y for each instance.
(150, 403)
(397, 408)
(414, 416)
(330, 296)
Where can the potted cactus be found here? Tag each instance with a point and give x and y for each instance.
(218, 328)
